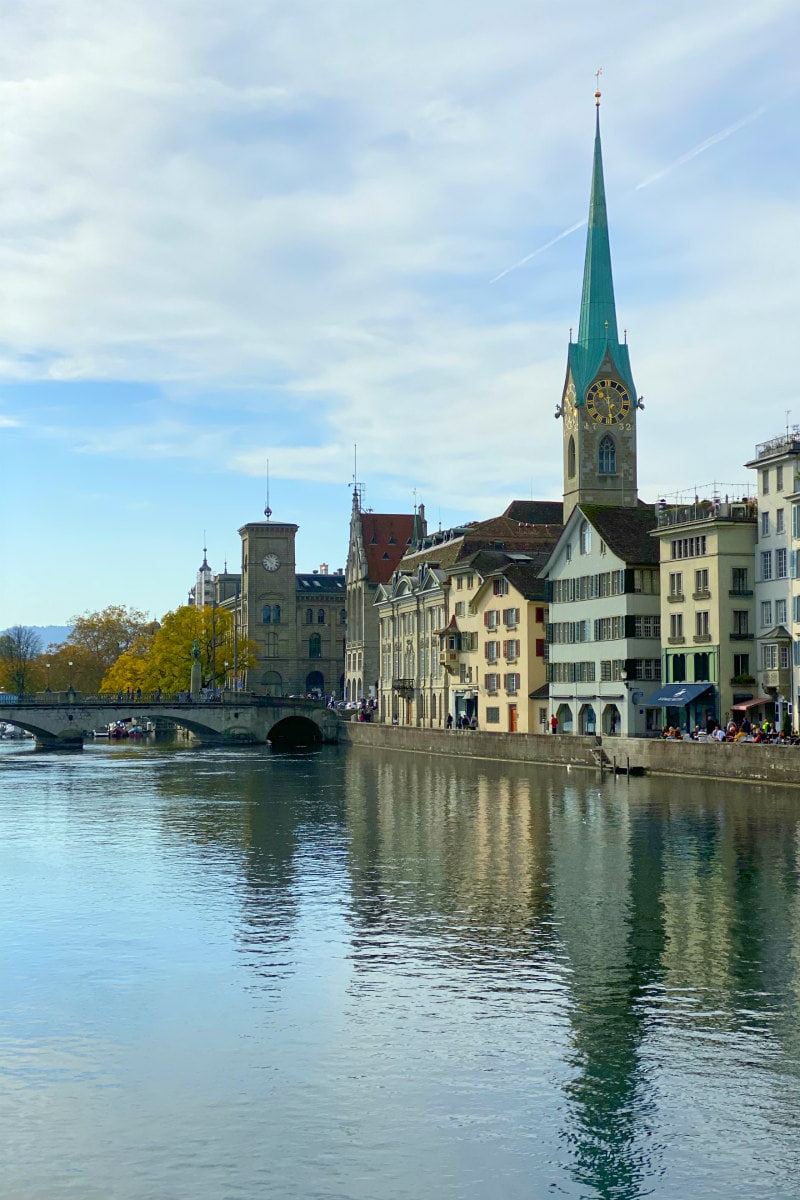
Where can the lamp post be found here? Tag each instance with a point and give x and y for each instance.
(69, 664)
(226, 672)
(48, 676)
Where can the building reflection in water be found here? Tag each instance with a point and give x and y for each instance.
(650, 906)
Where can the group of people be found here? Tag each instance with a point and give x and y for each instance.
(747, 731)
(462, 721)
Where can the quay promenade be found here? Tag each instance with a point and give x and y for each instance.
(741, 761)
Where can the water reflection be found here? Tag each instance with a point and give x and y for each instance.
(466, 979)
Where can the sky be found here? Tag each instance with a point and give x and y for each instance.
(268, 233)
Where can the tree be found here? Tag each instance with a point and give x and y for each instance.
(19, 649)
(162, 657)
(96, 642)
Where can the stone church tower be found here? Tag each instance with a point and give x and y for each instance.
(599, 404)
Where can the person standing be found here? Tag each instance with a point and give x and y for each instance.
(554, 724)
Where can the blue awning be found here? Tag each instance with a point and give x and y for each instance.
(677, 695)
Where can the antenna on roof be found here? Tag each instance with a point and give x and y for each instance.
(358, 488)
(267, 509)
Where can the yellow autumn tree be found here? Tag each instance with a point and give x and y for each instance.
(162, 656)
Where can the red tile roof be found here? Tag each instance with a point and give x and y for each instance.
(386, 539)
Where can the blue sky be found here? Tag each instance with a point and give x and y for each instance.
(248, 232)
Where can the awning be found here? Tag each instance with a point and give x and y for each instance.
(752, 703)
(677, 695)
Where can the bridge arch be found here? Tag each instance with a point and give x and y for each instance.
(295, 732)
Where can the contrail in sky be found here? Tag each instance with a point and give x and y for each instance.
(564, 233)
(687, 157)
(693, 153)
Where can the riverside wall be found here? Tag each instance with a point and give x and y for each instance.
(741, 761)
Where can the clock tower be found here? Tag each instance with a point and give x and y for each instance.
(598, 406)
(269, 604)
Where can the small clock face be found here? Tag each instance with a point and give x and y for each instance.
(607, 402)
(271, 562)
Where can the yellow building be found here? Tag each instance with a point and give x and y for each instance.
(707, 554)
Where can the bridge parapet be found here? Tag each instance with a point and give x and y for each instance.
(65, 719)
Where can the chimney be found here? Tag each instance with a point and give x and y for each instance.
(323, 568)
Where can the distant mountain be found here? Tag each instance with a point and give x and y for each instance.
(50, 635)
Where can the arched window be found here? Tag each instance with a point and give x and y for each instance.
(309, 616)
(266, 614)
(315, 646)
(320, 616)
(585, 537)
(276, 614)
(571, 457)
(342, 616)
(607, 456)
(315, 683)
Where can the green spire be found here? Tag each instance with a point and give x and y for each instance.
(598, 323)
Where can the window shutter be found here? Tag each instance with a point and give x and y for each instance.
(486, 619)
(505, 649)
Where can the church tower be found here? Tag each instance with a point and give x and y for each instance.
(599, 405)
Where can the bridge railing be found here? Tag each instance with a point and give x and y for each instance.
(153, 700)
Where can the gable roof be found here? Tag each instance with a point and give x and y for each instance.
(536, 512)
(626, 531)
(386, 538)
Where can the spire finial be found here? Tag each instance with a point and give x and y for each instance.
(267, 509)
(597, 93)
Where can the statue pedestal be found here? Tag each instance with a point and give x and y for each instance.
(196, 679)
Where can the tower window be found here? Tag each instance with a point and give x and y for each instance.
(266, 614)
(607, 456)
(315, 646)
(309, 616)
(571, 458)
(321, 616)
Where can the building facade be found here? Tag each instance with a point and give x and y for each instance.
(378, 541)
(777, 464)
(707, 555)
(296, 622)
(604, 629)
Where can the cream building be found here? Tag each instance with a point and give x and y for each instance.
(777, 464)
(707, 612)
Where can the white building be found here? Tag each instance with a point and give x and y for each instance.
(777, 463)
(604, 632)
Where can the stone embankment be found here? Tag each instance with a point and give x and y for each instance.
(650, 756)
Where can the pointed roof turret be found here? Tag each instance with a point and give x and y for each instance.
(598, 338)
(598, 323)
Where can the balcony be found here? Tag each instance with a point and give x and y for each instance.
(676, 598)
(739, 592)
(405, 687)
(779, 680)
(676, 641)
(742, 637)
(702, 637)
(703, 594)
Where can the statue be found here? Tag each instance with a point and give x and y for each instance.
(195, 650)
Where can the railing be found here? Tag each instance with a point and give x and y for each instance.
(703, 594)
(403, 685)
(702, 637)
(676, 641)
(707, 510)
(742, 637)
(676, 597)
(785, 441)
(739, 592)
(150, 701)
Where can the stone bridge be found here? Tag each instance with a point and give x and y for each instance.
(62, 720)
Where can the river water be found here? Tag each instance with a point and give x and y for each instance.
(232, 974)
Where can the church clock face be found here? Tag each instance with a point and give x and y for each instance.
(607, 402)
(271, 562)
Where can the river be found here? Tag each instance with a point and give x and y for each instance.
(349, 976)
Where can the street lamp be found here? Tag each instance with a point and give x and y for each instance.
(48, 676)
(226, 672)
(69, 664)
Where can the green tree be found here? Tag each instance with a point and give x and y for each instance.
(20, 648)
(162, 657)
